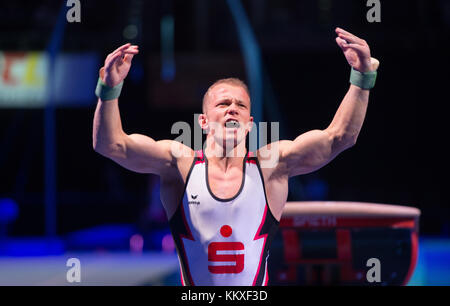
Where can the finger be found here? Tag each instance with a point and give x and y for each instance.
(352, 39)
(133, 50)
(361, 50)
(109, 56)
(128, 58)
(340, 30)
(123, 52)
(113, 55)
(120, 52)
(132, 47)
(117, 50)
(130, 51)
(113, 59)
(341, 43)
(343, 32)
(123, 47)
(375, 63)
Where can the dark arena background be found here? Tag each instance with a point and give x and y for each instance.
(61, 203)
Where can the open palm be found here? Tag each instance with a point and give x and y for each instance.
(356, 50)
(117, 64)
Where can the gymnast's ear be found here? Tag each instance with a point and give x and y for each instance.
(203, 121)
(250, 124)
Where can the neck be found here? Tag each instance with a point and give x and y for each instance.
(225, 156)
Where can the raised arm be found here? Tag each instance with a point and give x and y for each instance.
(314, 149)
(135, 152)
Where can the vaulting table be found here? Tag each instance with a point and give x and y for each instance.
(344, 243)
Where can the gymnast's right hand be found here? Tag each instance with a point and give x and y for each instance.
(117, 64)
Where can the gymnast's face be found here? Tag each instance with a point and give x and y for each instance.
(226, 114)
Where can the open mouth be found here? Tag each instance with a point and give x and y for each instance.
(232, 124)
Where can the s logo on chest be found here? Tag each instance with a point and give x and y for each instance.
(226, 257)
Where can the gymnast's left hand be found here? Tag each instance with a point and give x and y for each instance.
(356, 50)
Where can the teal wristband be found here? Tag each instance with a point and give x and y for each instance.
(364, 80)
(105, 93)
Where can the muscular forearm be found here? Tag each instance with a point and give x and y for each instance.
(349, 118)
(107, 128)
(108, 135)
(314, 149)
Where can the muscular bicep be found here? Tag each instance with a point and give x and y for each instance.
(140, 153)
(308, 152)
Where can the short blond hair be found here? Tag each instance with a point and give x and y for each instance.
(231, 81)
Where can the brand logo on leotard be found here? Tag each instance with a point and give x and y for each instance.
(194, 197)
(226, 257)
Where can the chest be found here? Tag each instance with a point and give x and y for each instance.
(223, 184)
(235, 199)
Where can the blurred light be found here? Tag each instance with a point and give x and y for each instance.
(136, 72)
(108, 237)
(8, 210)
(24, 77)
(316, 189)
(32, 247)
(136, 243)
(168, 245)
(130, 31)
(168, 71)
(325, 11)
(433, 264)
(325, 5)
(167, 48)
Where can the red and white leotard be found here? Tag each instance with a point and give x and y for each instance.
(223, 242)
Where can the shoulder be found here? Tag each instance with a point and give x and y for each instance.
(271, 158)
(182, 158)
(274, 150)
